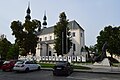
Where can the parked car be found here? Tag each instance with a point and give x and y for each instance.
(24, 65)
(1, 62)
(8, 65)
(62, 68)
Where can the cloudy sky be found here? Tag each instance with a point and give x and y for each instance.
(92, 15)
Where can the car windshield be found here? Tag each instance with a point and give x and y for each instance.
(61, 63)
(20, 62)
(6, 62)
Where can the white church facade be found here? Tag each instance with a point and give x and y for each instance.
(46, 37)
(45, 46)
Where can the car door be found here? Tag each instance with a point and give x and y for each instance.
(35, 65)
(32, 65)
(69, 67)
(28, 64)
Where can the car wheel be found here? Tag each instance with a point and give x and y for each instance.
(68, 73)
(38, 68)
(54, 74)
(3, 70)
(17, 71)
(27, 70)
(11, 69)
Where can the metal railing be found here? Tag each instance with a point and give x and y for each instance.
(54, 58)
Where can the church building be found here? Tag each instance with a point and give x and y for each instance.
(46, 39)
(45, 46)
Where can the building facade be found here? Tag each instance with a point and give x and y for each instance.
(45, 46)
(46, 37)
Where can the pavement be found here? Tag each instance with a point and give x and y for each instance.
(100, 69)
(96, 69)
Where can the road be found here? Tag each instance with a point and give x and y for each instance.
(47, 75)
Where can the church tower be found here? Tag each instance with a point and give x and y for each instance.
(44, 20)
(28, 17)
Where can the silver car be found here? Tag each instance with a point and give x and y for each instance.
(26, 66)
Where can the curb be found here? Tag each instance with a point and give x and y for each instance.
(96, 72)
(84, 71)
(47, 69)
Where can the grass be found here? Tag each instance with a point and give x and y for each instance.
(50, 65)
(116, 64)
(47, 65)
(80, 67)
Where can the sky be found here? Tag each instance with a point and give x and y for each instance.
(92, 15)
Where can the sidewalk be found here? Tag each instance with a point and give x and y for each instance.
(100, 69)
(95, 69)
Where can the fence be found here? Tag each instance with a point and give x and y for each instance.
(55, 58)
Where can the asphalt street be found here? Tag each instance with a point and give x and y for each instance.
(47, 75)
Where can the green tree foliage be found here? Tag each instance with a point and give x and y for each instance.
(18, 32)
(62, 35)
(93, 49)
(111, 35)
(13, 52)
(25, 35)
(4, 47)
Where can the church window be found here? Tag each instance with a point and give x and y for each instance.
(45, 38)
(73, 34)
(50, 37)
(40, 39)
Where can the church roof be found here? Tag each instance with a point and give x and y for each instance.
(75, 25)
(46, 31)
(51, 29)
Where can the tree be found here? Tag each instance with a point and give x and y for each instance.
(111, 35)
(93, 49)
(4, 47)
(13, 52)
(62, 35)
(25, 35)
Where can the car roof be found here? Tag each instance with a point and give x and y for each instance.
(25, 61)
(62, 63)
